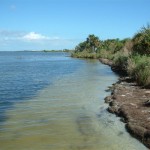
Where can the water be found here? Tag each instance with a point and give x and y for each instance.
(49, 101)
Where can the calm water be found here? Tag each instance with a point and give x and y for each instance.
(49, 101)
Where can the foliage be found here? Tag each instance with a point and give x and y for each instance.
(102, 53)
(139, 69)
(130, 56)
(113, 45)
(90, 45)
(93, 42)
(141, 41)
(85, 54)
(120, 60)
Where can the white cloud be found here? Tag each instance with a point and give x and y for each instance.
(35, 36)
(20, 40)
(30, 36)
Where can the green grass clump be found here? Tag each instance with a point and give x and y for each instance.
(84, 54)
(105, 54)
(142, 74)
(120, 60)
(139, 69)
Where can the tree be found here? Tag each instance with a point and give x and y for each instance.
(90, 45)
(141, 41)
(81, 47)
(113, 45)
(93, 42)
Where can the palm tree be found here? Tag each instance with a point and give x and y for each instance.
(81, 47)
(93, 42)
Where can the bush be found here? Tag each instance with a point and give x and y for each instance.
(120, 59)
(102, 53)
(142, 74)
(141, 41)
(84, 54)
(120, 63)
(139, 69)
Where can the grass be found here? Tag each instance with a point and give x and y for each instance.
(105, 54)
(85, 54)
(139, 69)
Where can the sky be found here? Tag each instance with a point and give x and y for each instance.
(62, 24)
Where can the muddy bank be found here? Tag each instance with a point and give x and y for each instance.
(132, 103)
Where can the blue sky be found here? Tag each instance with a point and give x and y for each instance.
(60, 24)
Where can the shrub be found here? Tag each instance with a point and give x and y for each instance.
(102, 53)
(142, 74)
(84, 54)
(131, 67)
(141, 41)
(120, 58)
(139, 69)
(121, 61)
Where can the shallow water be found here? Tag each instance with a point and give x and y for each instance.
(63, 111)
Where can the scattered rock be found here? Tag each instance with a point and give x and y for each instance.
(131, 103)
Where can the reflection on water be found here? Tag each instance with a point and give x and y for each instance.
(69, 114)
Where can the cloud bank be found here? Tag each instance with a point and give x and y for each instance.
(35, 36)
(16, 40)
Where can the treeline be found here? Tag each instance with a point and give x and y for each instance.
(130, 55)
(64, 50)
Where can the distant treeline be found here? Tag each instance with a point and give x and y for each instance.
(64, 50)
(130, 55)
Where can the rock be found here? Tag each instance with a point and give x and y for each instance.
(147, 135)
(113, 103)
(136, 130)
(108, 99)
(147, 92)
(139, 132)
(122, 120)
(114, 91)
(111, 110)
(135, 105)
(147, 103)
(109, 89)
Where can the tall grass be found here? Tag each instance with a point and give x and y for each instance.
(139, 69)
(85, 54)
(105, 54)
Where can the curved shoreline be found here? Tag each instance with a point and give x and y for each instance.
(132, 103)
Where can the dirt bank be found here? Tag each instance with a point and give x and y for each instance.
(132, 103)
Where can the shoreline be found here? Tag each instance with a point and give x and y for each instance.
(132, 104)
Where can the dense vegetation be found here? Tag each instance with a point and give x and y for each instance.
(131, 56)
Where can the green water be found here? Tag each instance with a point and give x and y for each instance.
(69, 114)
